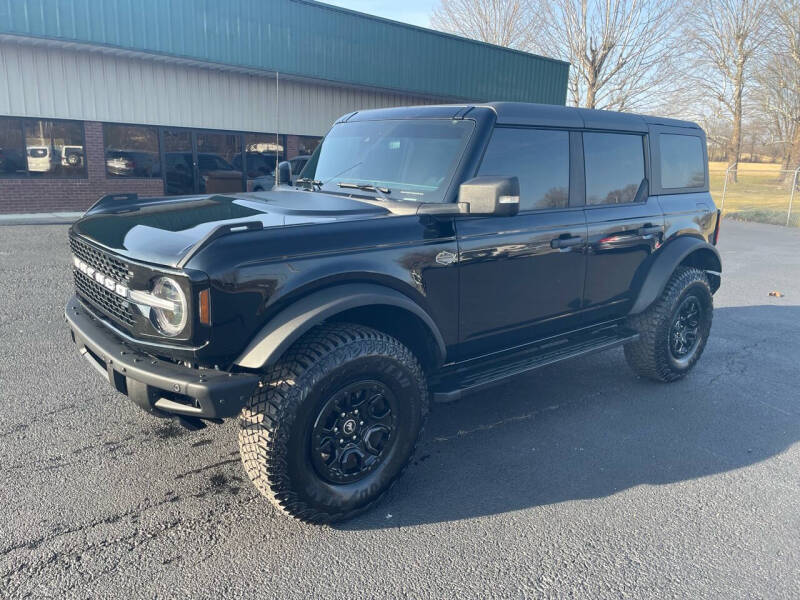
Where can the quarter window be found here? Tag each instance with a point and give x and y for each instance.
(131, 151)
(538, 158)
(681, 161)
(614, 167)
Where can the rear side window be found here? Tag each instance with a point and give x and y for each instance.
(539, 158)
(681, 161)
(614, 167)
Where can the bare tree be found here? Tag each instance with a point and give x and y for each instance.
(621, 51)
(501, 22)
(778, 104)
(725, 37)
(783, 77)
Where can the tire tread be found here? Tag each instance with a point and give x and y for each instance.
(265, 423)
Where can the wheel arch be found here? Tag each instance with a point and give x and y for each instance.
(687, 251)
(369, 304)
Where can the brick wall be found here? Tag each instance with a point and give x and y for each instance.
(33, 194)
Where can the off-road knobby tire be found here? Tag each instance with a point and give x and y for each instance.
(649, 356)
(273, 434)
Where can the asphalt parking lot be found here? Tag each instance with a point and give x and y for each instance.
(575, 481)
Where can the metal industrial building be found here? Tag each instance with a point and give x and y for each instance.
(184, 96)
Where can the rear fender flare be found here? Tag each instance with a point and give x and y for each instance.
(671, 255)
(291, 323)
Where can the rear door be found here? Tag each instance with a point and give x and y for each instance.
(521, 277)
(625, 223)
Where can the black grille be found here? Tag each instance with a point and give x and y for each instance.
(102, 261)
(103, 298)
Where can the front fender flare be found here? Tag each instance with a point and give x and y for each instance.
(666, 261)
(288, 325)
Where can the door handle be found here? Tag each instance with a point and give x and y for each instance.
(566, 242)
(650, 230)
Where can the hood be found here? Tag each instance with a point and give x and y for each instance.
(163, 231)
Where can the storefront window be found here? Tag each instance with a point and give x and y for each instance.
(131, 151)
(215, 151)
(262, 151)
(54, 148)
(12, 148)
(306, 144)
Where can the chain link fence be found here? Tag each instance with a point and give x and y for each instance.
(759, 192)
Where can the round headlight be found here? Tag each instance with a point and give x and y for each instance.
(170, 321)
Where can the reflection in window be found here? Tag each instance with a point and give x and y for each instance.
(262, 152)
(12, 148)
(539, 158)
(215, 151)
(306, 144)
(179, 165)
(614, 167)
(54, 148)
(681, 161)
(131, 151)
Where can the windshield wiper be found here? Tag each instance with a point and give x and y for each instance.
(367, 187)
(308, 181)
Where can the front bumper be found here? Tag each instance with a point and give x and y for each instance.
(157, 386)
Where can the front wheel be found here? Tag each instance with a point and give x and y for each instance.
(335, 423)
(674, 330)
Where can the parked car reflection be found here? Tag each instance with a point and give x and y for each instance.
(215, 174)
(129, 163)
(39, 159)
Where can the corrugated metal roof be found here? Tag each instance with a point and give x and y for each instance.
(300, 38)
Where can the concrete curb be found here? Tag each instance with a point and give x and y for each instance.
(51, 218)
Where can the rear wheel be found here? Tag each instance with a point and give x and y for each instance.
(674, 330)
(335, 423)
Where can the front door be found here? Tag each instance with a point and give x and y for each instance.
(625, 223)
(522, 277)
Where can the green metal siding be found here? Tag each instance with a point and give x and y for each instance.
(297, 37)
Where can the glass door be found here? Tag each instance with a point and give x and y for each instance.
(179, 172)
(202, 162)
(216, 153)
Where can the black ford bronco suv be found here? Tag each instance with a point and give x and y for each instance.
(424, 252)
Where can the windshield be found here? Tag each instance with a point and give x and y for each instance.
(412, 159)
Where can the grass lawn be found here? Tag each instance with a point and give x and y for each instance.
(761, 193)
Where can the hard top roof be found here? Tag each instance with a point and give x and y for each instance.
(522, 113)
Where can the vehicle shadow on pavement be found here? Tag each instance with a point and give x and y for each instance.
(590, 428)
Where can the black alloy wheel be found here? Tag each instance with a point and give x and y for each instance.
(354, 431)
(684, 334)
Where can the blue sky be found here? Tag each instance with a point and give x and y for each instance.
(416, 12)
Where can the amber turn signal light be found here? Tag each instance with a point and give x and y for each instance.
(205, 307)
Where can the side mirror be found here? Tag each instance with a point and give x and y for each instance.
(284, 173)
(498, 196)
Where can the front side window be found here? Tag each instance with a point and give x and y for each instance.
(54, 148)
(682, 164)
(131, 151)
(539, 158)
(413, 159)
(614, 167)
(13, 161)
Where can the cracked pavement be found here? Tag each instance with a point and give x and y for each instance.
(577, 480)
